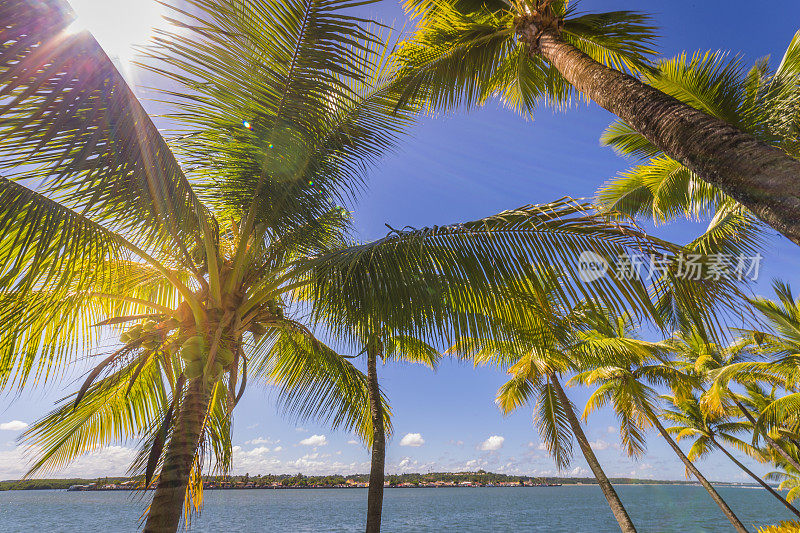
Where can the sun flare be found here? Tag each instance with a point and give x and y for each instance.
(119, 25)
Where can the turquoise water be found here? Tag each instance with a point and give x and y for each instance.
(568, 509)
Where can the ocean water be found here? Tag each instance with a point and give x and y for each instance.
(568, 509)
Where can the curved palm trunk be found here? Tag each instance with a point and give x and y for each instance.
(760, 481)
(625, 522)
(762, 178)
(376, 474)
(165, 511)
(737, 524)
(772, 444)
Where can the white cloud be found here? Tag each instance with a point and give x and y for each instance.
(578, 471)
(542, 446)
(278, 449)
(110, 461)
(259, 450)
(353, 442)
(458, 443)
(262, 440)
(493, 443)
(314, 440)
(14, 425)
(611, 430)
(301, 430)
(414, 440)
(599, 444)
(253, 426)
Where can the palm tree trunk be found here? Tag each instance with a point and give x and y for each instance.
(737, 524)
(624, 521)
(772, 444)
(760, 177)
(760, 481)
(165, 511)
(376, 474)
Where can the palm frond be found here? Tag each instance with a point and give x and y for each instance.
(112, 411)
(314, 382)
(622, 40)
(72, 124)
(550, 416)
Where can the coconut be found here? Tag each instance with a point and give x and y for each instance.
(217, 371)
(224, 356)
(125, 337)
(193, 369)
(193, 348)
(152, 344)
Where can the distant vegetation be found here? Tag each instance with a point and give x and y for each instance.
(299, 480)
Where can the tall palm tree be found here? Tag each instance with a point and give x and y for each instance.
(401, 295)
(552, 342)
(760, 101)
(777, 348)
(702, 358)
(396, 348)
(712, 432)
(626, 384)
(187, 264)
(529, 51)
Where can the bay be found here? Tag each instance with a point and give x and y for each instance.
(568, 509)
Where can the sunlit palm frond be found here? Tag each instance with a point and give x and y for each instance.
(411, 350)
(114, 410)
(515, 393)
(622, 40)
(284, 105)
(72, 124)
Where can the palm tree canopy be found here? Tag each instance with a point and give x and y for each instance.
(759, 100)
(463, 52)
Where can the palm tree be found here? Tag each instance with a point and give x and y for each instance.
(535, 374)
(529, 51)
(187, 263)
(759, 101)
(553, 342)
(626, 385)
(780, 345)
(399, 296)
(699, 357)
(398, 348)
(710, 433)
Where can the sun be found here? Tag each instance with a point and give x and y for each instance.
(119, 25)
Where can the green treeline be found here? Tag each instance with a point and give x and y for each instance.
(299, 480)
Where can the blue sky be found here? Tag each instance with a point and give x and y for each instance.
(462, 167)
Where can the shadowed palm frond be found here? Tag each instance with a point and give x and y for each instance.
(553, 425)
(314, 382)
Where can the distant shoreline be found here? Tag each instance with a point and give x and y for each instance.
(300, 481)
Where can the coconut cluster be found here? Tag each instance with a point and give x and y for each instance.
(194, 353)
(146, 333)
